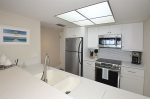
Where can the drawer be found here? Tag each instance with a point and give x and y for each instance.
(132, 72)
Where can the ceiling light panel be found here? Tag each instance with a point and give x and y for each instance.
(108, 19)
(72, 16)
(95, 14)
(84, 23)
(97, 10)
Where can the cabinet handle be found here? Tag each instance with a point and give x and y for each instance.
(131, 72)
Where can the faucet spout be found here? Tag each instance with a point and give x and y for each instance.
(47, 61)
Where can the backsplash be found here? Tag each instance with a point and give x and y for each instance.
(116, 54)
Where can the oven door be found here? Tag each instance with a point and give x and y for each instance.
(113, 77)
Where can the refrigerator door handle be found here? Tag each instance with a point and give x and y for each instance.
(79, 51)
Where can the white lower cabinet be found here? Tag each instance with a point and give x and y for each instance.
(132, 80)
(89, 69)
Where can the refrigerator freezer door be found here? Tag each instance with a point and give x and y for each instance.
(72, 62)
(73, 44)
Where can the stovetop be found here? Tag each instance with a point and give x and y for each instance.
(108, 63)
(117, 62)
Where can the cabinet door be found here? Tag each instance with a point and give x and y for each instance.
(132, 37)
(133, 84)
(74, 32)
(93, 37)
(89, 70)
(103, 30)
(116, 29)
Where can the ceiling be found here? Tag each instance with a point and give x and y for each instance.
(125, 11)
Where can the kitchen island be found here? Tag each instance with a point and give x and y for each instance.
(17, 84)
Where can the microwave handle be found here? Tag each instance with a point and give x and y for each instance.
(116, 41)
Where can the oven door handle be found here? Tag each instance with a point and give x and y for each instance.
(108, 69)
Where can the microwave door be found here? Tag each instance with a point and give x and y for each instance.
(107, 42)
(112, 41)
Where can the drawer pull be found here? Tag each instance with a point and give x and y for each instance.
(131, 72)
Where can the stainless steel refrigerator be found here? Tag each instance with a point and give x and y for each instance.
(74, 55)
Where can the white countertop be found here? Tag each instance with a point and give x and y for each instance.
(15, 83)
(130, 65)
(88, 89)
(124, 63)
(90, 59)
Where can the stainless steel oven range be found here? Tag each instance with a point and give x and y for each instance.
(107, 71)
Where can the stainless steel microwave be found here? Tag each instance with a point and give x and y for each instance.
(110, 41)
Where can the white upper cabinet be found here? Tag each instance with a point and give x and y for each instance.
(93, 37)
(93, 33)
(103, 30)
(74, 32)
(132, 37)
(114, 29)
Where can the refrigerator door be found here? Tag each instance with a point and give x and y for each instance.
(72, 62)
(73, 44)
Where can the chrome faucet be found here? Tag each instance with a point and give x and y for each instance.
(44, 76)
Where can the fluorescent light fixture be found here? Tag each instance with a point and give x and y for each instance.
(84, 23)
(94, 11)
(102, 20)
(95, 14)
(72, 16)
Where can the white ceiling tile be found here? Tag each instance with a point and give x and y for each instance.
(71, 16)
(84, 23)
(108, 19)
(97, 10)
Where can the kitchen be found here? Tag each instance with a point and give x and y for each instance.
(127, 55)
(111, 60)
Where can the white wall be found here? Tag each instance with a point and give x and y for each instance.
(50, 43)
(146, 57)
(27, 54)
